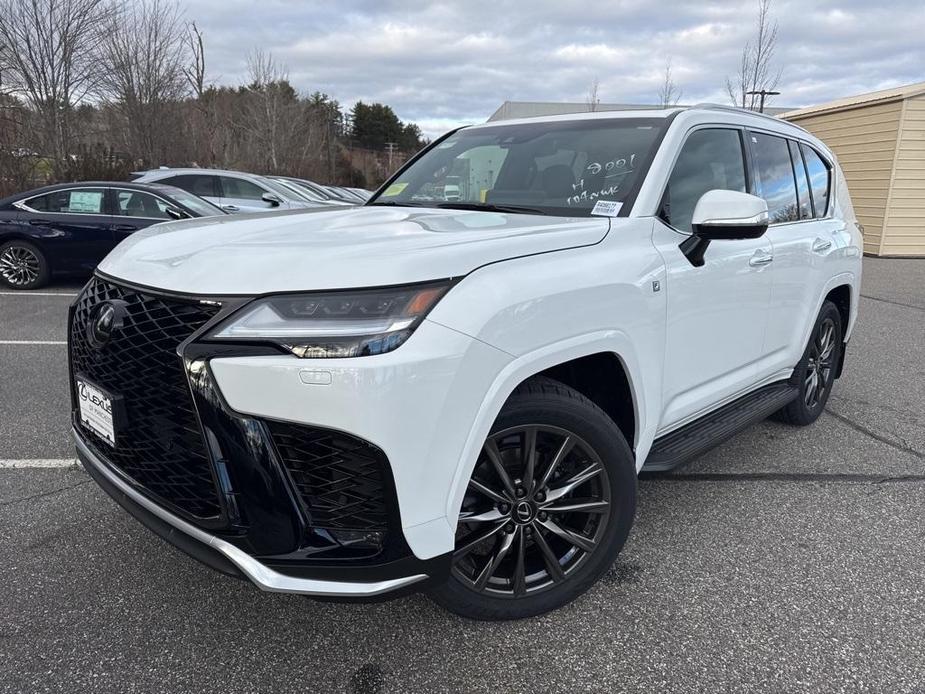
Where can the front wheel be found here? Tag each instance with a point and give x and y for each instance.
(815, 374)
(548, 508)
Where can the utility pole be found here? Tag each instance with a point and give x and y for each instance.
(762, 93)
(390, 148)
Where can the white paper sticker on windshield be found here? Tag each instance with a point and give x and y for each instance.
(607, 208)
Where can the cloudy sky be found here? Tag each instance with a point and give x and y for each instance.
(441, 64)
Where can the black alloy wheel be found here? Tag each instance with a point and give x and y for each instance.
(547, 509)
(537, 508)
(814, 376)
(22, 265)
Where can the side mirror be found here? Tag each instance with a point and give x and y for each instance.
(273, 199)
(722, 215)
(175, 213)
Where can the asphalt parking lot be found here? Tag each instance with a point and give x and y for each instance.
(786, 560)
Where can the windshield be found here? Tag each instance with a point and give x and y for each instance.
(556, 168)
(301, 189)
(285, 192)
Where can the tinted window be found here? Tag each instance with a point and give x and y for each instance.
(806, 207)
(197, 184)
(240, 188)
(774, 177)
(135, 203)
(82, 201)
(557, 168)
(820, 178)
(710, 159)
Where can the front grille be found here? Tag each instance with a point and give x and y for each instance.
(342, 480)
(160, 445)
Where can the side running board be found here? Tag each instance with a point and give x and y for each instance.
(701, 435)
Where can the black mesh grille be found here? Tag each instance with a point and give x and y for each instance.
(160, 446)
(342, 479)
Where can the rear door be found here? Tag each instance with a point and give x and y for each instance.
(717, 313)
(204, 185)
(796, 236)
(73, 225)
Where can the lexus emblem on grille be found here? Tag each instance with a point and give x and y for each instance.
(104, 320)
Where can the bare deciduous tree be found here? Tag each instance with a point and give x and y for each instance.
(144, 58)
(592, 100)
(51, 60)
(195, 71)
(271, 119)
(756, 71)
(669, 94)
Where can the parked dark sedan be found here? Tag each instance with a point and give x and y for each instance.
(69, 227)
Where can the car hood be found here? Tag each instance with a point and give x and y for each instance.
(335, 248)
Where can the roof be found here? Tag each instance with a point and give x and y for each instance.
(906, 91)
(168, 170)
(529, 109)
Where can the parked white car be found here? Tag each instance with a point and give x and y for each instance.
(233, 191)
(458, 395)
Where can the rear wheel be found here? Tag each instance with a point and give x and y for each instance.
(22, 265)
(815, 374)
(548, 508)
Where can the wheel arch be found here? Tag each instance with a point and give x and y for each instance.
(573, 360)
(841, 297)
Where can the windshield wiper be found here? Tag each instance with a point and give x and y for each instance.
(489, 207)
(393, 203)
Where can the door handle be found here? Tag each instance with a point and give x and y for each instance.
(230, 208)
(39, 222)
(761, 257)
(821, 245)
(125, 227)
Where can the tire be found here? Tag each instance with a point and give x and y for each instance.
(22, 266)
(579, 449)
(825, 338)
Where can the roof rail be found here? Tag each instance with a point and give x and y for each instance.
(707, 106)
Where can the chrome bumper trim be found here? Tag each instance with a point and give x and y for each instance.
(261, 575)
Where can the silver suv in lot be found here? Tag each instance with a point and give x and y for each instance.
(457, 395)
(233, 191)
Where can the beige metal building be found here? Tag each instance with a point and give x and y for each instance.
(879, 139)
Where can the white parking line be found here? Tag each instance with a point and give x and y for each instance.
(38, 462)
(36, 294)
(33, 342)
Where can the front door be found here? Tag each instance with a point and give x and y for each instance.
(241, 195)
(717, 313)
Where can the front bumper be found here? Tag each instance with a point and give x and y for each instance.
(218, 553)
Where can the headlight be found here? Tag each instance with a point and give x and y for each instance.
(335, 324)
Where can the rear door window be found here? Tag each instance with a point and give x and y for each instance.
(197, 184)
(799, 172)
(79, 201)
(774, 177)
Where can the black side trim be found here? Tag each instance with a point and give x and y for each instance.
(701, 435)
(191, 546)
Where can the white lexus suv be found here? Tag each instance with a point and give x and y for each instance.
(454, 386)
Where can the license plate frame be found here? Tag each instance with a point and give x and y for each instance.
(98, 409)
